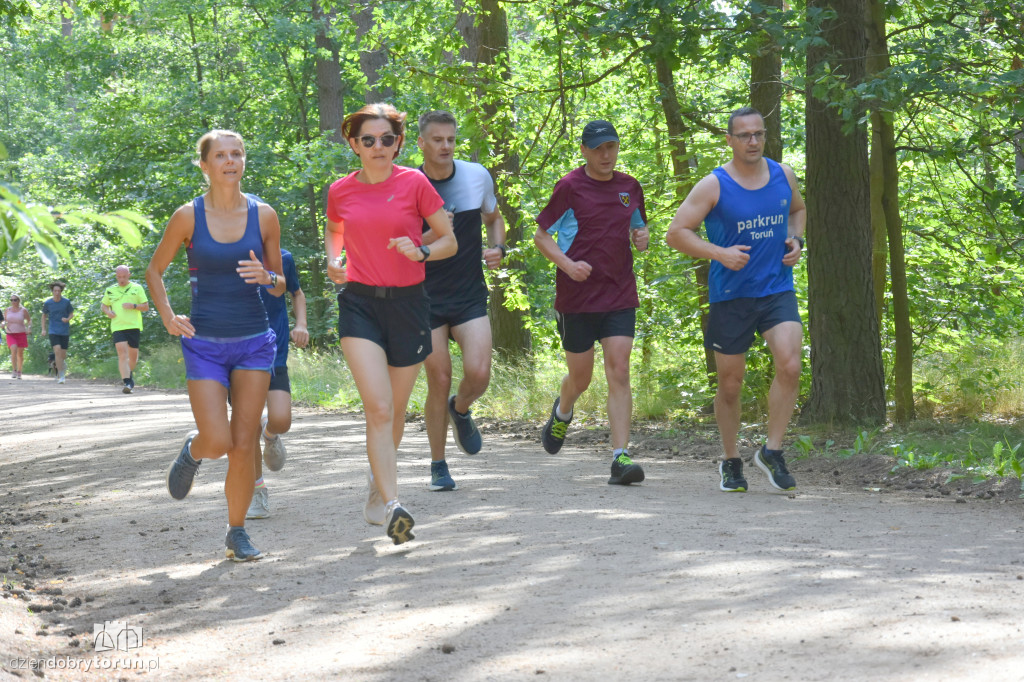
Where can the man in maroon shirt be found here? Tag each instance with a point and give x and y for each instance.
(595, 212)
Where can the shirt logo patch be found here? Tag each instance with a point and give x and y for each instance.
(624, 198)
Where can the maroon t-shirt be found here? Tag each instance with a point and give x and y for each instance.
(592, 219)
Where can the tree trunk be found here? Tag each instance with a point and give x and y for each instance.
(331, 108)
(884, 146)
(766, 83)
(484, 29)
(371, 58)
(847, 377)
(683, 181)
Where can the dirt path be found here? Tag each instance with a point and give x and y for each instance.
(534, 569)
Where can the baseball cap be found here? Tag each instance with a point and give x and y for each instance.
(597, 133)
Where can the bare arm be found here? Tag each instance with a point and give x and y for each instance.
(334, 242)
(682, 231)
(495, 225)
(797, 220)
(443, 246)
(178, 232)
(254, 271)
(300, 333)
(579, 271)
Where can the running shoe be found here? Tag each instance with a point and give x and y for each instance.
(400, 525)
(259, 508)
(554, 431)
(126, 388)
(273, 449)
(374, 510)
(731, 471)
(772, 463)
(467, 436)
(440, 479)
(60, 378)
(624, 471)
(239, 546)
(183, 470)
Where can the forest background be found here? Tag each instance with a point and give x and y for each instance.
(903, 120)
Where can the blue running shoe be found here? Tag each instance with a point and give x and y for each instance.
(467, 436)
(183, 470)
(440, 479)
(731, 471)
(239, 547)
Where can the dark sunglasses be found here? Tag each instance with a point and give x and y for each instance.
(387, 139)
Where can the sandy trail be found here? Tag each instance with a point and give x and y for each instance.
(534, 569)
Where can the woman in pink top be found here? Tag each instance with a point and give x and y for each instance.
(18, 323)
(376, 216)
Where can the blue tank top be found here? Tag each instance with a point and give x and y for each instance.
(756, 218)
(223, 305)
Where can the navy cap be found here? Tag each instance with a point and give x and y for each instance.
(597, 133)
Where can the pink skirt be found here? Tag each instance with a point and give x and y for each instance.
(19, 339)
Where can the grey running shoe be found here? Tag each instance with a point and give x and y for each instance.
(400, 525)
(554, 431)
(183, 470)
(440, 479)
(239, 547)
(731, 471)
(624, 471)
(273, 449)
(467, 436)
(259, 508)
(773, 464)
(374, 511)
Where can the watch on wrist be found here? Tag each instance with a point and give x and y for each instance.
(425, 250)
(273, 279)
(800, 241)
(502, 248)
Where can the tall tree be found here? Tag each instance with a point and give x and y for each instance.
(766, 77)
(886, 218)
(847, 377)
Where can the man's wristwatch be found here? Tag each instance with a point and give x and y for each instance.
(502, 248)
(799, 240)
(425, 250)
(273, 279)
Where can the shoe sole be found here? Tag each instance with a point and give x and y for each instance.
(167, 479)
(630, 475)
(257, 515)
(400, 528)
(274, 463)
(126, 389)
(768, 472)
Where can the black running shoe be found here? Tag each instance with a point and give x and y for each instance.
(731, 471)
(467, 436)
(624, 471)
(554, 431)
(773, 464)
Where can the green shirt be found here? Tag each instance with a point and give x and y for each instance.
(115, 296)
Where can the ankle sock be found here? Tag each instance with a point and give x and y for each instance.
(260, 484)
(562, 416)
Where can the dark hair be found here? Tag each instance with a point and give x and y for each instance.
(439, 116)
(353, 123)
(58, 283)
(742, 111)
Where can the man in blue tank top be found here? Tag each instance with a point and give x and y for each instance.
(754, 216)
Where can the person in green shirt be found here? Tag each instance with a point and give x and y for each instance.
(124, 304)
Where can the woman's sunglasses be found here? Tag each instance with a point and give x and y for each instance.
(386, 140)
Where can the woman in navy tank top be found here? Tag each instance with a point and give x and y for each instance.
(233, 243)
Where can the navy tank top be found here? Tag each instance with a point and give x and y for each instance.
(223, 305)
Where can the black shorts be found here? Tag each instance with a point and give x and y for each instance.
(279, 380)
(453, 314)
(395, 318)
(579, 331)
(61, 340)
(732, 324)
(129, 335)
